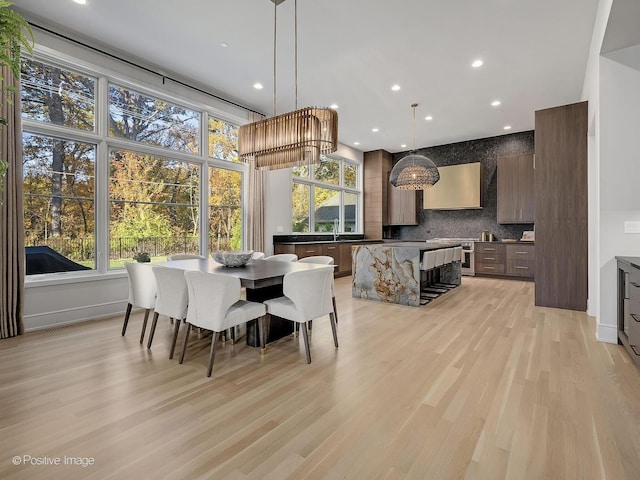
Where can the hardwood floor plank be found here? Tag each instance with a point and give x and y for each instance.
(479, 384)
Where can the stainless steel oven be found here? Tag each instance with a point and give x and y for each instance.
(468, 260)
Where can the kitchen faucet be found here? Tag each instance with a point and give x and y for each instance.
(336, 224)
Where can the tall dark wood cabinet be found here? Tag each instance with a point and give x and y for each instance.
(516, 202)
(560, 177)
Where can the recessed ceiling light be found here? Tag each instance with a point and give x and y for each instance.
(404, 145)
(356, 143)
(395, 88)
(258, 86)
(495, 103)
(334, 106)
(375, 130)
(507, 127)
(81, 2)
(224, 44)
(428, 117)
(477, 63)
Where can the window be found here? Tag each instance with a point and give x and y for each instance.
(145, 119)
(81, 158)
(59, 203)
(225, 209)
(153, 206)
(325, 196)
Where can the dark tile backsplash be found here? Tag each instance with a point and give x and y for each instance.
(468, 223)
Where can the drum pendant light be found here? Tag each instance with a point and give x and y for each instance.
(293, 138)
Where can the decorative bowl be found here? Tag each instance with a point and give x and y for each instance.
(232, 258)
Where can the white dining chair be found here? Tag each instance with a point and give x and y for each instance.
(171, 300)
(185, 256)
(215, 304)
(257, 256)
(307, 296)
(142, 292)
(282, 257)
(323, 260)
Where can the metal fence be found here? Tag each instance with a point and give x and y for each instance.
(82, 249)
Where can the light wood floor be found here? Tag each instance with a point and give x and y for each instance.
(480, 384)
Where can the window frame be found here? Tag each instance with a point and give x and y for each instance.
(340, 187)
(104, 144)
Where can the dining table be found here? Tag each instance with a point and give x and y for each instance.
(262, 280)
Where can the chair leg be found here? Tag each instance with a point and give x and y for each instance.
(261, 335)
(305, 336)
(153, 328)
(214, 339)
(144, 324)
(175, 337)
(333, 320)
(186, 339)
(233, 335)
(335, 310)
(126, 318)
(310, 325)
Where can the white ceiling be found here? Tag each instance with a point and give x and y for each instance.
(352, 51)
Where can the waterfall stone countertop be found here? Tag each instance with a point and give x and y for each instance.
(390, 272)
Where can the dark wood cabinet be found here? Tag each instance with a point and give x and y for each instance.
(629, 306)
(504, 259)
(520, 260)
(561, 269)
(516, 201)
(401, 206)
(490, 258)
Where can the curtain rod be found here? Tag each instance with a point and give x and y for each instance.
(146, 69)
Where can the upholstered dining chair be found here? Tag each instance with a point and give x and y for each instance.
(171, 300)
(185, 256)
(307, 296)
(283, 257)
(324, 260)
(215, 304)
(142, 292)
(257, 256)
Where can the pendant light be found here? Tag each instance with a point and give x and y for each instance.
(414, 172)
(293, 138)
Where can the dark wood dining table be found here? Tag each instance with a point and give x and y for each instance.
(262, 280)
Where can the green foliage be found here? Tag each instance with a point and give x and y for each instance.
(142, 257)
(15, 33)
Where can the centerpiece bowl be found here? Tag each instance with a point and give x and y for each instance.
(232, 258)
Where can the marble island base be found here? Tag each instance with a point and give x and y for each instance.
(391, 272)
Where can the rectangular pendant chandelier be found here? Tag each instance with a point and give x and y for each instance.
(290, 139)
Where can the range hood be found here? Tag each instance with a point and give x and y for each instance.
(460, 186)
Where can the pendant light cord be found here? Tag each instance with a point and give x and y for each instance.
(275, 48)
(414, 125)
(295, 23)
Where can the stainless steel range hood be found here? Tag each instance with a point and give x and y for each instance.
(460, 186)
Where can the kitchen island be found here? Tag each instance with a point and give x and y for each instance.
(390, 272)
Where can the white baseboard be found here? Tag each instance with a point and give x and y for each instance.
(68, 316)
(606, 333)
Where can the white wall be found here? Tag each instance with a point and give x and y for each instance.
(591, 93)
(619, 179)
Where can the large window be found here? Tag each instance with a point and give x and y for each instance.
(136, 154)
(325, 197)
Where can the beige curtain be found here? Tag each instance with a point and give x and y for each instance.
(11, 216)
(255, 203)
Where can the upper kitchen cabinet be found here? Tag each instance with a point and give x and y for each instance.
(516, 200)
(384, 204)
(401, 206)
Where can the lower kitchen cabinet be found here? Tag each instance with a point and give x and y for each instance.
(629, 305)
(504, 259)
